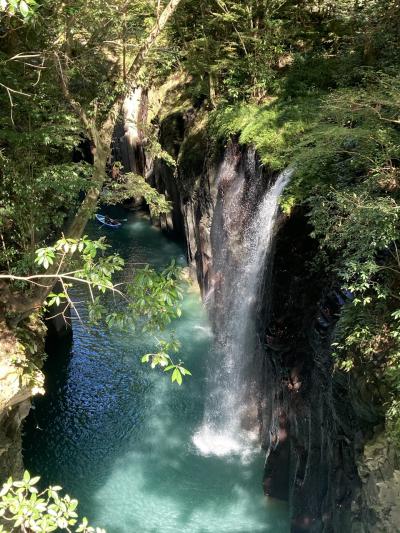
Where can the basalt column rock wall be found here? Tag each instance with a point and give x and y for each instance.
(191, 187)
(307, 427)
(327, 453)
(308, 424)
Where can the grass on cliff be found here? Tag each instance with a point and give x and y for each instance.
(272, 128)
(331, 138)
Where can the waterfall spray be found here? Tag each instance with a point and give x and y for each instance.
(242, 258)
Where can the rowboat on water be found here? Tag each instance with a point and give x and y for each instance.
(107, 221)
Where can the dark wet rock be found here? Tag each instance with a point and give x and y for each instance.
(192, 189)
(377, 506)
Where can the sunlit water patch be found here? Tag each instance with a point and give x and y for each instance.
(118, 436)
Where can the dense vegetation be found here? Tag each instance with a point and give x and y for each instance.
(311, 83)
(58, 98)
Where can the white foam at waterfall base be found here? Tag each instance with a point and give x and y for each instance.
(221, 433)
(209, 442)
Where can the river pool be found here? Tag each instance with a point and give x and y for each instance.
(118, 436)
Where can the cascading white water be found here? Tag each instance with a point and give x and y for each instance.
(241, 259)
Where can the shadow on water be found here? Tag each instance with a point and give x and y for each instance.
(118, 436)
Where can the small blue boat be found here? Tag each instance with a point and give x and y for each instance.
(109, 222)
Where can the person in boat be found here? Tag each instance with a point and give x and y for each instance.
(109, 220)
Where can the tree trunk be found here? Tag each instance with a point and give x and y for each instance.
(149, 42)
(89, 204)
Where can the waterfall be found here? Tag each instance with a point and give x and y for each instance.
(242, 234)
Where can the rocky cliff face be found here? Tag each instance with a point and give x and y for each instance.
(21, 354)
(321, 427)
(376, 507)
(312, 420)
(190, 187)
(14, 405)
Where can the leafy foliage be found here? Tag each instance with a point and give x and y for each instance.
(273, 128)
(354, 208)
(132, 185)
(22, 8)
(164, 360)
(25, 508)
(149, 302)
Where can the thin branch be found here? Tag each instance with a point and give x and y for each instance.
(15, 91)
(150, 40)
(390, 269)
(5, 251)
(60, 262)
(38, 78)
(397, 253)
(73, 307)
(60, 277)
(41, 67)
(11, 105)
(60, 313)
(91, 293)
(23, 56)
(76, 106)
(9, 92)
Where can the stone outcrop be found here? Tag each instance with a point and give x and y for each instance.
(20, 379)
(377, 507)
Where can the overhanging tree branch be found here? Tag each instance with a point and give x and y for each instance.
(76, 106)
(137, 63)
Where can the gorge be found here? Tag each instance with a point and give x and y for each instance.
(225, 356)
(311, 421)
(105, 424)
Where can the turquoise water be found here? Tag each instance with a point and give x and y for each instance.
(118, 436)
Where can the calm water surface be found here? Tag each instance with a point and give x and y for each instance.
(118, 436)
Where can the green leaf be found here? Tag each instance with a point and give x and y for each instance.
(176, 376)
(24, 8)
